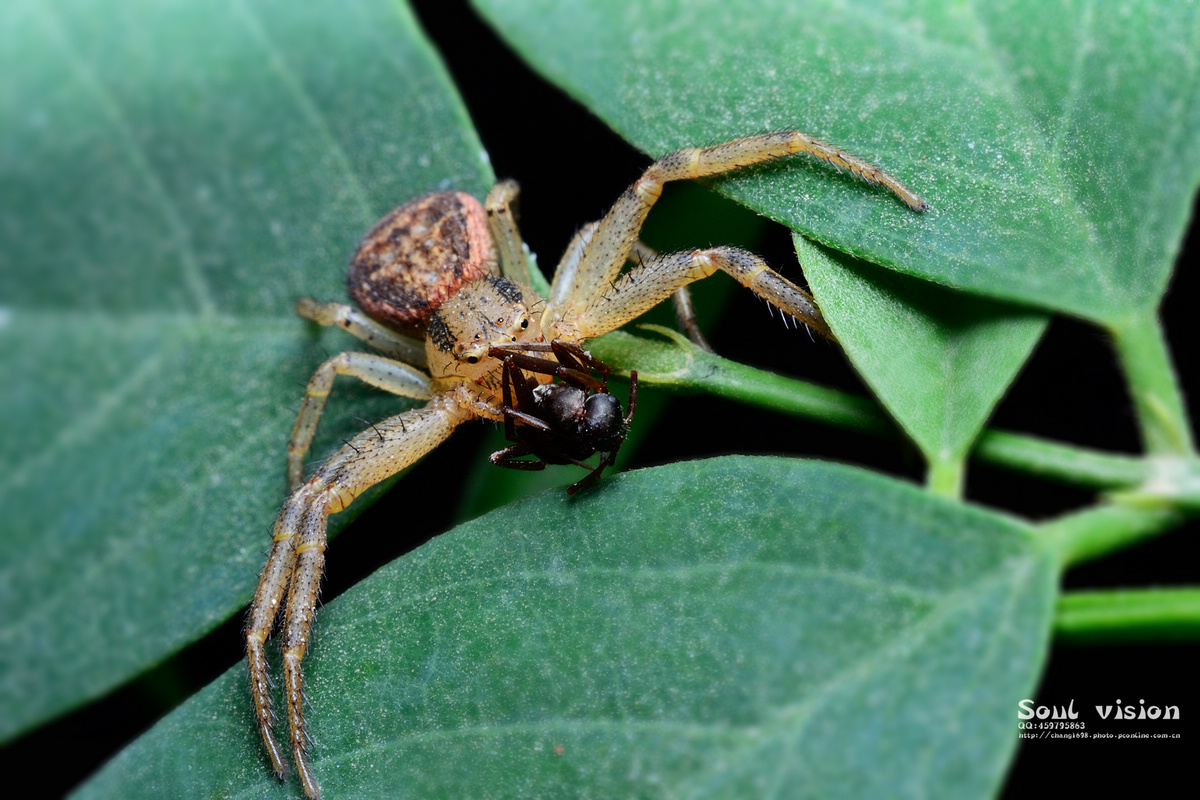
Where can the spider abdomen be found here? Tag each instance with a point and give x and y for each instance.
(418, 256)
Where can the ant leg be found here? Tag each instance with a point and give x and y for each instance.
(609, 458)
(513, 381)
(577, 358)
(509, 458)
(573, 374)
(506, 379)
(632, 397)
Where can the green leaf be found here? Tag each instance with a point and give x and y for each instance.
(173, 177)
(1057, 145)
(770, 627)
(938, 360)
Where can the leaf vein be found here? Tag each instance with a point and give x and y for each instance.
(89, 76)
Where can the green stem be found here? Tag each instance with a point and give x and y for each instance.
(1155, 391)
(1155, 614)
(1103, 529)
(767, 390)
(681, 367)
(1061, 462)
(945, 477)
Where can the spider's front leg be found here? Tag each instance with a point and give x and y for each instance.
(591, 297)
(293, 569)
(653, 281)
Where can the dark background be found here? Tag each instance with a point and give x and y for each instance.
(1070, 391)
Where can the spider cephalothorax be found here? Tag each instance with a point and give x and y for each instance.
(451, 271)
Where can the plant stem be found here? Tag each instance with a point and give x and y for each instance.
(945, 477)
(682, 367)
(1061, 462)
(1152, 384)
(1102, 529)
(1155, 614)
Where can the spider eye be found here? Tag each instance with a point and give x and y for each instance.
(472, 360)
(524, 324)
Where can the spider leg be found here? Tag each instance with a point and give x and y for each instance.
(356, 323)
(378, 371)
(646, 286)
(293, 571)
(500, 205)
(261, 619)
(568, 266)
(685, 312)
(685, 318)
(610, 242)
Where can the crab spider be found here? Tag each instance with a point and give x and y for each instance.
(448, 270)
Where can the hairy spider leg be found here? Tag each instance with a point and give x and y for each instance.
(376, 370)
(298, 555)
(356, 323)
(644, 287)
(601, 249)
(685, 312)
(500, 205)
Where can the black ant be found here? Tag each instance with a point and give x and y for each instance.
(560, 423)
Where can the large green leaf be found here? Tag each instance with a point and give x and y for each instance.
(172, 177)
(769, 627)
(1057, 144)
